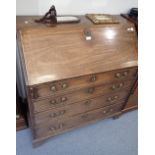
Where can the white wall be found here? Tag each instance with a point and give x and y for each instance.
(77, 7)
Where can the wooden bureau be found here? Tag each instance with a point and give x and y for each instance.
(71, 81)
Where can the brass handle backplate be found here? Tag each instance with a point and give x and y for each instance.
(63, 99)
(53, 102)
(64, 85)
(56, 127)
(117, 86)
(53, 88)
(93, 78)
(58, 101)
(56, 114)
(107, 111)
(121, 75)
(111, 99)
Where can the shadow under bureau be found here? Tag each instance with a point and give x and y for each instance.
(70, 80)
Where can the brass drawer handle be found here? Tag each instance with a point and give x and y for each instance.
(63, 99)
(118, 86)
(53, 102)
(104, 112)
(53, 88)
(56, 114)
(113, 87)
(130, 29)
(93, 78)
(64, 85)
(57, 127)
(110, 99)
(125, 73)
(115, 97)
(118, 75)
(91, 90)
(121, 75)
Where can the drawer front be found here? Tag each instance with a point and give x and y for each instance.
(58, 127)
(61, 87)
(80, 107)
(80, 95)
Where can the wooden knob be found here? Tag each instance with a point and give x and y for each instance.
(64, 85)
(63, 99)
(53, 88)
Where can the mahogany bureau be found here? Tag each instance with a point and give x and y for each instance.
(71, 80)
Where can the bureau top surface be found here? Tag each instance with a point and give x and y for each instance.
(62, 52)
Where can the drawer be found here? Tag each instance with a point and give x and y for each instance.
(58, 127)
(80, 107)
(60, 87)
(80, 95)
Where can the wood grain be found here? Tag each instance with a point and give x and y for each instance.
(71, 81)
(80, 107)
(111, 48)
(45, 89)
(61, 125)
(83, 94)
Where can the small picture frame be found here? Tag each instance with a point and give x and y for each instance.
(102, 19)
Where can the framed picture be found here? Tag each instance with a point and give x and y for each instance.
(102, 19)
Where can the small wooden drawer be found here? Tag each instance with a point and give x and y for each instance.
(80, 95)
(60, 87)
(60, 126)
(80, 107)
